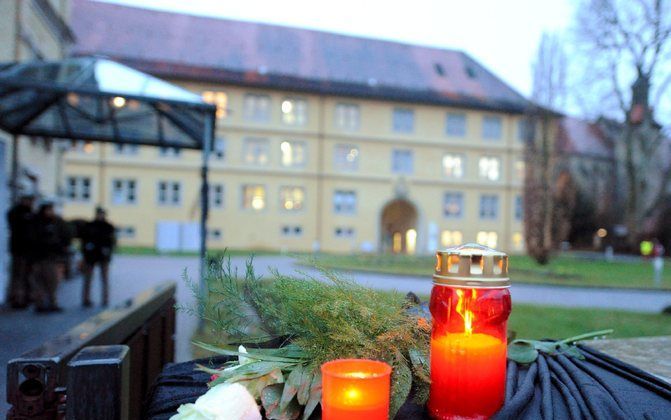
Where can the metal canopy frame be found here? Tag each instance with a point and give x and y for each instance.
(96, 99)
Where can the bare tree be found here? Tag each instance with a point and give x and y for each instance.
(626, 45)
(549, 74)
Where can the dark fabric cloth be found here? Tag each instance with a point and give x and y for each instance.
(19, 219)
(49, 238)
(599, 387)
(98, 241)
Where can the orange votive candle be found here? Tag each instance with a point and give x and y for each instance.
(355, 389)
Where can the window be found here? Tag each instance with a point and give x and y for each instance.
(257, 108)
(293, 153)
(220, 100)
(490, 168)
(126, 149)
(453, 204)
(217, 196)
(525, 129)
(403, 120)
(489, 206)
(81, 146)
(455, 125)
(169, 152)
(518, 241)
(253, 197)
(294, 111)
(402, 161)
(169, 193)
(520, 169)
(519, 208)
(489, 239)
(453, 165)
(346, 157)
(451, 238)
(292, 198)
(291, 231)
(219, 148)
(256, 151)
(492, 127)
(126, 232)
(215, 234)
(124, 191)
(78, 188)
(344, 232)
(347, 116)
(344, 202)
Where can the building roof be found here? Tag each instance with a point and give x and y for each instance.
(580, 137)
(207, 49)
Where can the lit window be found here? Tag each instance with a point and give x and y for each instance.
(519, 208)
(78, 188)
(253, 197)
(344, 202)
(293, 153)
(169, 193)
(217, 196)
(489, 206)
(453, 165)
(219, 148)
(126, 149)
(490, 168)
(344, 232)
(257, 108)
(518, 241)
(453, 205)
(402, 161)
(81, 146)
(256, 151)
(403, 120)
(220, 100)
(489, 239)
(169, 152)
(292, 198)
(455, 125)
(492, 127)
(410, 241)
(294, 112)
(124, 191)
(291, 231)
(451, 238)
(347, 116)
(346, 157)
(520, 169)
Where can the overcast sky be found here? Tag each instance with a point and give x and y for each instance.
(502, 35)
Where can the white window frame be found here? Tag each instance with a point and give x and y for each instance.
(257, 108)
(243, 197)
(347, 116)
(294, 146)
(490, 206)
(461, 200)
(518, 208)
(291, 189)
(452, 118)
(170, 193)
(294, 111)
(485, 171)
(345, 202)
(251, 146)
(492, 127)
(456, 173)
(79, 191)
(400, 165)
(121, 196)
(346, 157)
(403, 120)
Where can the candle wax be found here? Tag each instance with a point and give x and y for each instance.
(467, 376)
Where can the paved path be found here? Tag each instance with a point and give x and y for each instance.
(130, 275)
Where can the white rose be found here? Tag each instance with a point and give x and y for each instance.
(221, 402)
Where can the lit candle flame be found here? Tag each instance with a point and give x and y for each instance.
(464, 310)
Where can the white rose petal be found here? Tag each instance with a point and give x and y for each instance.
(222, 402)
(242, 359)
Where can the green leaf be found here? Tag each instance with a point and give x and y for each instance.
(315, 395)
(304, 388)
(291, 385)
(259, 354)
(256, 385)
(522, 351)
(401, 382)
(270, 399)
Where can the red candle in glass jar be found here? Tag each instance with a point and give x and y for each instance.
(470, 305)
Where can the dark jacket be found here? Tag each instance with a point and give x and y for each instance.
(46, 235)
(98, 241)
(19, 219)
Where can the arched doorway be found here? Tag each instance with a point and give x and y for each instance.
(399, 227)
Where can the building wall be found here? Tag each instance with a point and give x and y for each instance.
(374, 181)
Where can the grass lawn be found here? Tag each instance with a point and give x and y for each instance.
(563, 270)
(146, 250)
(537, 322)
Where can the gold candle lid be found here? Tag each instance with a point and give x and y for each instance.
(471, 265)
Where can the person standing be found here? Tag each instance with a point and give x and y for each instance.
(45, 249)
(19, 219)
(98, 241)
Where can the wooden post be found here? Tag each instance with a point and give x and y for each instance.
(98, 384)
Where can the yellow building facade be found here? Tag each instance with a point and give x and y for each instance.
(297, 172)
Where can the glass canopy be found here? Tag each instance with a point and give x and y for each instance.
(92, 98)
